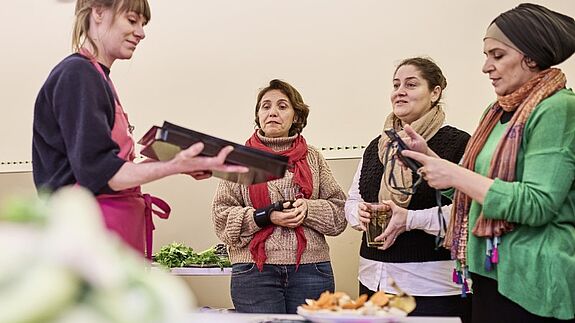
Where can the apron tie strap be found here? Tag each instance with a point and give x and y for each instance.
(152, 201)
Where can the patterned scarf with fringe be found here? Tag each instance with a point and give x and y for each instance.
(503, 163)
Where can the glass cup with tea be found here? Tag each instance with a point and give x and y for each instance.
(292, 193)
(380, 215)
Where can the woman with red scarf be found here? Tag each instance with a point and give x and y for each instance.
(512, 222)
(276, 241)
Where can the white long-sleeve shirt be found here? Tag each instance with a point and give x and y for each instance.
(433, 278)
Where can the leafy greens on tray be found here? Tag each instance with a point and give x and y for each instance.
(180, 255)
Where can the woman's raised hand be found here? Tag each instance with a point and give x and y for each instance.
(416, 142)
(439, 173)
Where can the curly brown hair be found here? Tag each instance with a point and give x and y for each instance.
(301, 109)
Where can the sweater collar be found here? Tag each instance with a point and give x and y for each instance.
(277, 144)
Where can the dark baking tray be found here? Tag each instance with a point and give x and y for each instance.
(163, 143)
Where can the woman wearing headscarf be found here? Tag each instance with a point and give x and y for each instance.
(276, 230)
(512, 224)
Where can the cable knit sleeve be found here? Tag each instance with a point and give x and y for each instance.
(326, 207)
(233, 221)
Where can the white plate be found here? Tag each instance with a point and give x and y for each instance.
(340, 317)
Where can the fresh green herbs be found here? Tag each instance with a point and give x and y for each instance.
(173, 255)
(179, 255)
(207, 258)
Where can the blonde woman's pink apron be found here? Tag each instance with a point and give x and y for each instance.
(128, 212)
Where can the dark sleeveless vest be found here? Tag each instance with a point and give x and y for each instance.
(415, 245)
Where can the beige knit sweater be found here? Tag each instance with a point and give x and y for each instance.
(232, 214)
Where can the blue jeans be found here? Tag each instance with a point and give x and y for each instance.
(278, 288)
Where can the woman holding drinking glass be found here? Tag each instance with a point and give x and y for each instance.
(277, 247)
(408, 254)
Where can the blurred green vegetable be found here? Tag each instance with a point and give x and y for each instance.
(24, 211)
(60, 264)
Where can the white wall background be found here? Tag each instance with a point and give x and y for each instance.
(203, 62)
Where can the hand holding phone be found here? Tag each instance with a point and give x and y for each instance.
(412, 164)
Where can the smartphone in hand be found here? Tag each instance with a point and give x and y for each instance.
(412, 164)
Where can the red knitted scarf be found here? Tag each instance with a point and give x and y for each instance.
(260, 196)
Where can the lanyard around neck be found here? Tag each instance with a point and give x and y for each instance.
(84, 52)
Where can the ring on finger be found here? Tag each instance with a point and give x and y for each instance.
(421, 171)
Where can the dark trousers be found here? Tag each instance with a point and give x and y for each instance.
(490, 306)
(436, 305)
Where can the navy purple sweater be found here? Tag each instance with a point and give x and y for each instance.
(73, 120)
